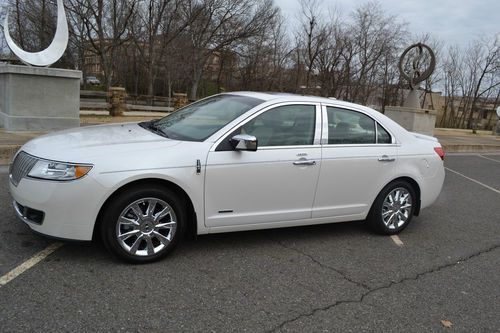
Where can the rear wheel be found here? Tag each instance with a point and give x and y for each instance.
(143, 225)
(393, 208)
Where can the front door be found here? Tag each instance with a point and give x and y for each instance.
(275, 183)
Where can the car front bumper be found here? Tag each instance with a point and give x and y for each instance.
(66, 210)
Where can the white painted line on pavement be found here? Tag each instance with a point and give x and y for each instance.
(489, 158)
(475, 181)
(397, 240)
(29, 263)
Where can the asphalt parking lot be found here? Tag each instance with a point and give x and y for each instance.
(336, 278)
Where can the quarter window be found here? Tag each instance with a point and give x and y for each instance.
(382, 135)
(287, 125)
(349, 127)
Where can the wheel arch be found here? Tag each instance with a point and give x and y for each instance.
(192, 225)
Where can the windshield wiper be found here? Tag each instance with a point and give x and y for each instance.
(153, 126)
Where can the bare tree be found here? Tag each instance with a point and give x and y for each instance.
(312, 37)
(217, 24)
(373, 34)
(471, 79)
(157, 24)
(451, 72)
(107, 29)
(331, 62)
(77, 41)
(486, 69)
(263, 57)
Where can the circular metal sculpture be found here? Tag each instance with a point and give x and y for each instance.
(52, 53)
(416, 56)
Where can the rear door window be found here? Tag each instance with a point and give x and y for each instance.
(349, 127)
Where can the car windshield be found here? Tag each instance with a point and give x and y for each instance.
(198, 121)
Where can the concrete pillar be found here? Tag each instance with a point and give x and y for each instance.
(117, 100)
(413, 99)
(180, 100)
(39, 99)
(413, 119)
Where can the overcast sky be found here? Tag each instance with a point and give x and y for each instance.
(451, 21)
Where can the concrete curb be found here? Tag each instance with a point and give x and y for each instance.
(471, 148)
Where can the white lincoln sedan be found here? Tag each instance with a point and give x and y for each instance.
(230, 162)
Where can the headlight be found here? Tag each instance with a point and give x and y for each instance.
(52, 170)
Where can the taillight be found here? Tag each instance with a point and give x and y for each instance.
(440, 152)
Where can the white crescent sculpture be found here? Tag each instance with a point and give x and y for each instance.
(52, 53)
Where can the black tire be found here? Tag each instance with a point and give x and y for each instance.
(110, 226)
(400, 221)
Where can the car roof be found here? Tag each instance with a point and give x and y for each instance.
(288, 97)
(268, 96)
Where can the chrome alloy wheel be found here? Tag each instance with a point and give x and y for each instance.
(396, 208)
(146, 226)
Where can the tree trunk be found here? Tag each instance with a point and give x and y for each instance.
(196, 82)
(151, 83)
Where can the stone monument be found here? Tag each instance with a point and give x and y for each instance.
(36, 97)
(411, 116)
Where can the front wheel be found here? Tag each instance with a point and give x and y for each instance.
(143, 225)
(393, 208)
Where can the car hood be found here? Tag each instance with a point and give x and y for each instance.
(86, 143)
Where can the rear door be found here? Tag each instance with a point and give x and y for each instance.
(359, 158)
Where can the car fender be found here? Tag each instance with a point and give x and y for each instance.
(185, 178)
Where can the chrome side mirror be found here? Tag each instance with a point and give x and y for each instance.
(244, 142)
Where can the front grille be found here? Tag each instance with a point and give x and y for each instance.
(21, 167)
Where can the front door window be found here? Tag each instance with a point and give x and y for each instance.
(290, 125)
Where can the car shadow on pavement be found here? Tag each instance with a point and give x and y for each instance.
(214, 244)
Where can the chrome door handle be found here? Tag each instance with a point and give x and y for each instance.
(386, 158)
(304, 163)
